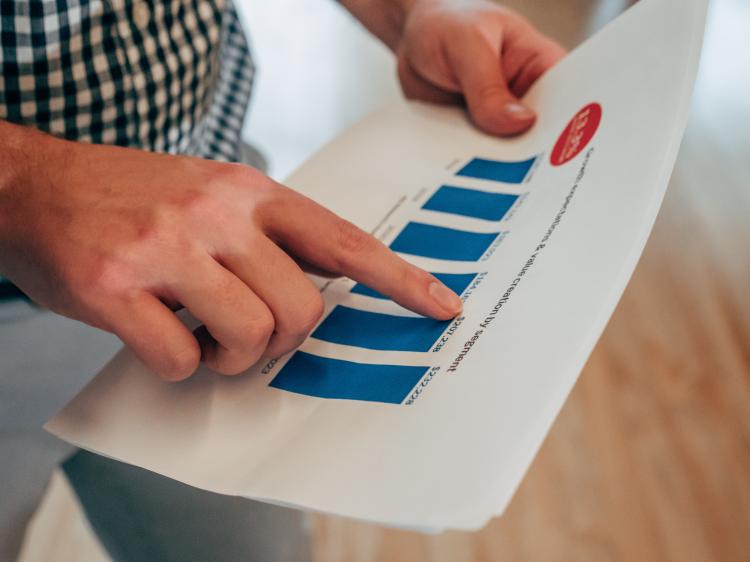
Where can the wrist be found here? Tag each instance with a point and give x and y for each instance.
(13, 170)
(26, 158)
(11, 162)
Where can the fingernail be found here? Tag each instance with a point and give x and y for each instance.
(518, 110)
(446, 298)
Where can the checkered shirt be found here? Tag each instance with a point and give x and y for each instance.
(163, 75)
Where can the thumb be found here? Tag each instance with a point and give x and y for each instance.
(493, 108)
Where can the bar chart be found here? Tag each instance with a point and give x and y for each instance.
(439, 242)
(325, 377)
(374, 330)
(309, 374)
(471, 203)
(495, 170)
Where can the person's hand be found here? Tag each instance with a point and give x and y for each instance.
(120, 239)
(477, 52)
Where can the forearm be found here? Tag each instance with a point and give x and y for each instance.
(13, 168)
(12, 141)
(25, 159)
(383, 18)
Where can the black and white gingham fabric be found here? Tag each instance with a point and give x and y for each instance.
(163, 75)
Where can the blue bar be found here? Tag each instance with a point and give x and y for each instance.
(495, 170)
(374, 330)
(471, 203)
(335, 378)
(442, 243)
(457, 282)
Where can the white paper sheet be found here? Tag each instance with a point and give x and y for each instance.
(445, 443)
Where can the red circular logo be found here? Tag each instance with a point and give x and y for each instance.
(577, 134)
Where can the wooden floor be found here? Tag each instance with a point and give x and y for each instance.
(650, 458)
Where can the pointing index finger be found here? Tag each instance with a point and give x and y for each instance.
(325, 240)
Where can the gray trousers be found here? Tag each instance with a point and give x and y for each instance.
(137, 515)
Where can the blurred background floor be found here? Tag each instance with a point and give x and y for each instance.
(650, 458)
(319, 71)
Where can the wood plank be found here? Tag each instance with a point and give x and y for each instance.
(650, 458)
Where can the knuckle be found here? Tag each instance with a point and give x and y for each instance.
(268, 195)
(105, 276)
(231, 368)
(251, 340)
(240, 173)
(233, 364)
(165, 223)
(191, 204)
(257, 330)
(173, 226)
(308, 316)
(180, 364)
(244, 178)
(351, 240)
(412, 276)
